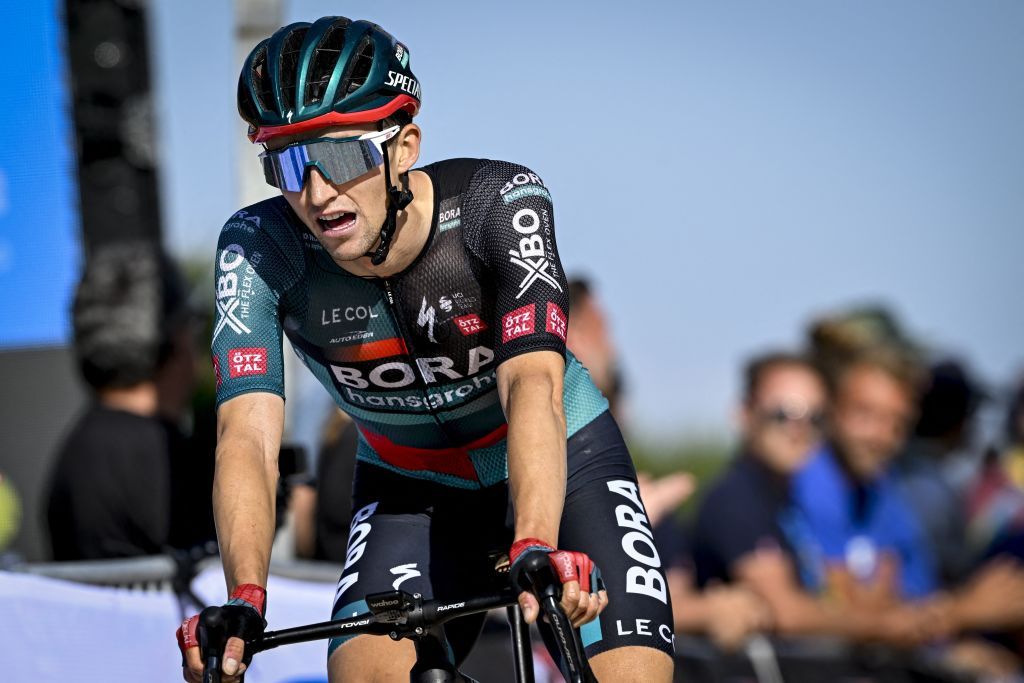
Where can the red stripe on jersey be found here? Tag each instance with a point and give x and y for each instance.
(454, 461)
(384, 348)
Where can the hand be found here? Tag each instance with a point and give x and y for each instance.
(983, 659)
(993, 598)
(878, 592)
(583, 592)
(243, 616)
(734, 613)
(663, 495)
(907, 625)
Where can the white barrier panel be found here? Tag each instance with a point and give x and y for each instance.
(55, 631)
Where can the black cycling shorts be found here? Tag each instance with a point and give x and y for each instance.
(439, 541)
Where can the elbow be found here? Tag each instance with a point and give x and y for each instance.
(539, 390)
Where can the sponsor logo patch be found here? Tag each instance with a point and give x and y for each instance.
(534, 249)
(404, 83)
(555, 321)
(518, 323)
(248, 361)
(470, 324)
(235, 285)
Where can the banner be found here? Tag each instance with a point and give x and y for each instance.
(54, 631)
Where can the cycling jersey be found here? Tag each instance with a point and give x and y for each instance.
(410, 357)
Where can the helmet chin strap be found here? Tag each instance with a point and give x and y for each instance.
(397, 199)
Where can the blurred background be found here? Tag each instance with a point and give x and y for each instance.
(727, 178)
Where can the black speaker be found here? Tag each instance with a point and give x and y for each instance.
(113, 116)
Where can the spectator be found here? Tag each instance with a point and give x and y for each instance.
(329, 523)
(995, 500)
(784, 402)
(1014, 456)
(943, 432)
(877, 555)
(838, 339)
(589, 340)
(124, 464)
(855, 511)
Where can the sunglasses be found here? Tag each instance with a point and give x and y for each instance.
(339, 160)
(781, 416)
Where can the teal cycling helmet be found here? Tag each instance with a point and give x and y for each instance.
(332, 72)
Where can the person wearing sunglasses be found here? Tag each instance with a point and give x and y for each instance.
(750, 532)
(431, 304)
(780, 419)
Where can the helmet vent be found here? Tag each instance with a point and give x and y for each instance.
(325, 59)
(263, 91)
(359, 69)
(289, 63)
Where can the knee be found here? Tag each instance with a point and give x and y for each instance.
(633, 664)
(371, 659)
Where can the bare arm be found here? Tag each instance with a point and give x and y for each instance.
(770, 574)
(248, 441)
(530, 387)
(727, 614)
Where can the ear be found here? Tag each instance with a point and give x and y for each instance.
(407, 148)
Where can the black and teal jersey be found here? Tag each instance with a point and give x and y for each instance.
(412, 357)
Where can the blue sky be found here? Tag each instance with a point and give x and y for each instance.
(724, 171)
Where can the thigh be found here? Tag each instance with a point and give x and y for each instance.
(606, 519)
(387, 550)
(413, 538)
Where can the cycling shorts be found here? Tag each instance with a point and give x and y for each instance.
(441, 542)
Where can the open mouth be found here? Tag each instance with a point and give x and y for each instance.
(336, 222)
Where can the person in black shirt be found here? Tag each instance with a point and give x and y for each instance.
(126, 483)
(749, 508)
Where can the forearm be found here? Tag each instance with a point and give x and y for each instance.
(691, 611)
(244, 496)
(536, 456)
(771, 576)
(811, 615)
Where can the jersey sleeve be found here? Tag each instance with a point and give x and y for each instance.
(252, 273)
(511, 229)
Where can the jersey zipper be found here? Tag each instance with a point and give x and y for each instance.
(421, 383)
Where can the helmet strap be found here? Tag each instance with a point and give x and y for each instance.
(397, 199)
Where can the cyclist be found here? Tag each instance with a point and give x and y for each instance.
(432, 306)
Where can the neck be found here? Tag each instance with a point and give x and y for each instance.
(140, 399)
(410, 234)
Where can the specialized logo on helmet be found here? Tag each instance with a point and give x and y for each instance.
(404, 83)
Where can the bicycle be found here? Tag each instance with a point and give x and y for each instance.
(398, 614)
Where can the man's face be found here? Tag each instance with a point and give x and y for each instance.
(782, 421)
(345, 219)
(871, 417)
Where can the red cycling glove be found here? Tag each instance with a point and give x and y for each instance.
(569, 565)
